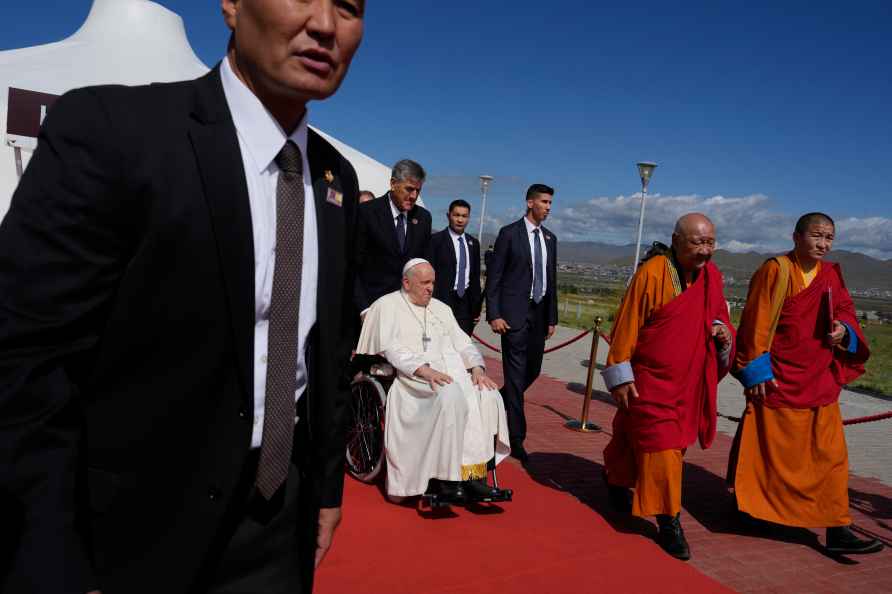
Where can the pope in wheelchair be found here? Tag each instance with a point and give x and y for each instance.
(445, 425)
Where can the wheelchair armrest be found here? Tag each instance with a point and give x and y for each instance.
(382, 370)
(374, 365)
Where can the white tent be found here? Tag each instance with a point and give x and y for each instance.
(122, 42)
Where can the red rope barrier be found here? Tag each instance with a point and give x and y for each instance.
(486, 344)
(855, 421)
(859, 420)
(563, 344)
(549, 350)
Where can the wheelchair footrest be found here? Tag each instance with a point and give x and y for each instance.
(502, 495)
(436, 501)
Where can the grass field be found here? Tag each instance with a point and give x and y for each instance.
(578, 310)
(879, 368)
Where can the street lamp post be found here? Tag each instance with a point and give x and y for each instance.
(645, 171)
(485, 180)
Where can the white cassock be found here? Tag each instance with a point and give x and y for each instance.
(446, 433)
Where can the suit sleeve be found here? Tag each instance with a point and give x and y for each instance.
(477, 303)
(429, 252)
(63, 246)
(360, 253)
(329, 444)
(495, 274)
(553, 302)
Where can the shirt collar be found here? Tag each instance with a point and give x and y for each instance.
(256, 126)
(454, 235)
(394, 211)
(530, 227)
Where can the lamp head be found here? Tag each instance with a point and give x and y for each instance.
(485, 181)
(645, 171)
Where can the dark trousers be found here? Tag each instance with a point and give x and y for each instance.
(461, 309)
(522, 350)
(266, 546)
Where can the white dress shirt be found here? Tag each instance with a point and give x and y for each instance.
(260, 138)
(467, 279)
(395, 212)
(531, 238)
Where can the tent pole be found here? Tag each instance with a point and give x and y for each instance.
(18, 161)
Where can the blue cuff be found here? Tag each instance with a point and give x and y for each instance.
(757, 372)
(853, 339)
(618, 374)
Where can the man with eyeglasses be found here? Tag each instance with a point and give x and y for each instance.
(672, 342)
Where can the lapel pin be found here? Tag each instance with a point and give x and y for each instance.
(414, 221)
(328, 176)
(334, 197)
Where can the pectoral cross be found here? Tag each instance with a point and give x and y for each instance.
(425, 340)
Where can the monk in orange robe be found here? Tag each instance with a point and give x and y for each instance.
(798, 343)
(672, 342)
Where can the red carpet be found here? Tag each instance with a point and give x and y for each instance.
(543, 542)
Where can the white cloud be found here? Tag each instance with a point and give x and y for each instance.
(745, 223)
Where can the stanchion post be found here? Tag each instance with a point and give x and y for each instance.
(582, 425)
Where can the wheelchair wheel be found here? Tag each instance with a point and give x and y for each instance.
(365, 436)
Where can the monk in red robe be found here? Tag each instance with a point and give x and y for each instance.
(798, 343)
(672, 342)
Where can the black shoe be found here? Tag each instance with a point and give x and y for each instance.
(671, 537)
(842, 541)
(518, 452)
(478, 490)
(452, 492)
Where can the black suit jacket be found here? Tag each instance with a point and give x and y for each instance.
(377, 258)
(509, 277)
(441, 255)
(127, 334)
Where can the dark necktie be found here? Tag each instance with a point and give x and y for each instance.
(401, 231)
(537, 267)
(462, 266)
(284, 317)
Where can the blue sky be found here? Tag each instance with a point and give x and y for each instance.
(755, 111)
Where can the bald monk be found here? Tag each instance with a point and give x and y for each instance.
(798, 343)
(672, 342)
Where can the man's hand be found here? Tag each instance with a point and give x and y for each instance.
(722, 335)
(432, 376)
(481, 380)
(624, 393)
(329, 518)
(551, 330)
(758, 392)
(499, 326)
(839, 332)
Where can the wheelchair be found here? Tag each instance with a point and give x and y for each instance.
(372, 378)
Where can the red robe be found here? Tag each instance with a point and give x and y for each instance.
(677, 369)
(808, 372)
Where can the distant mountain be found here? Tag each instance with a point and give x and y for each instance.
(861, 271)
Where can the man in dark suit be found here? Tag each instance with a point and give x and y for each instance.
(455, 256)
(390, 231)
(174, 311)
(521, 304)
